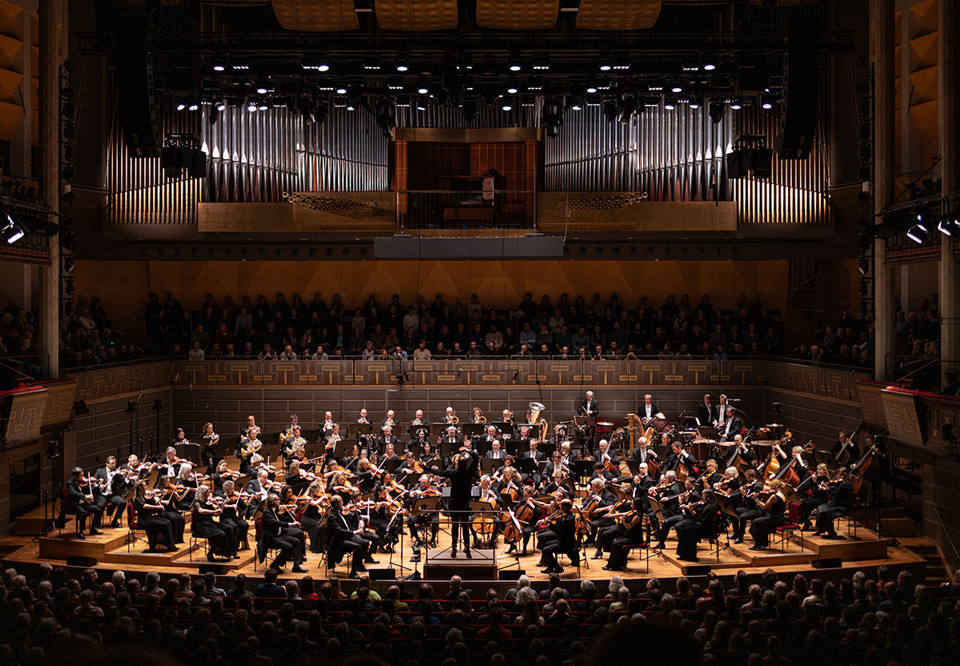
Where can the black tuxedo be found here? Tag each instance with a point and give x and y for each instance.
(733, 427)
(110, 494)
(598, 456)
(288, 547)
(707, 414)
(495, 455)
(642, 413)
(461, 486)
(642, 455)
(588, 408)
(81, 506)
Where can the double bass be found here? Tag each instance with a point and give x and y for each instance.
(859, 470)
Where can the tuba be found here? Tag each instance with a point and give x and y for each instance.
(535, 410)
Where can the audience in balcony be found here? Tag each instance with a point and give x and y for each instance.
(576, 329)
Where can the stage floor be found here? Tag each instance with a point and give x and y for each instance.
(857, 548)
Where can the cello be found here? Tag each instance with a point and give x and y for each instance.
(859, 469)
(787, 473)
(772, 464)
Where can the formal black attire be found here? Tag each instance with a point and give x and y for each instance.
(841, 503)
(231, 521)
(208, 453)
(748, 509)
(81, 506)
(310, 519)
(271, 536)
(707, 414)
(206, 527)
(566, 542)
(701, 523)
(588, 408)
(343, 540)
(763, 526)
(632, 536)
(110, 494)
(646, 412)
(732, 427)
(461, 485)
(150, 519)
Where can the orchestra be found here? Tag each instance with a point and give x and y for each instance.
(571, 491)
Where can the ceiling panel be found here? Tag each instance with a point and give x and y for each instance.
(517, 14)
(618, 14)
(417, 15)
(316, 15)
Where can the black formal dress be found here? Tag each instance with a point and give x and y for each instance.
(206, 527)
(763, 526)
(701, 523)
(150, 519)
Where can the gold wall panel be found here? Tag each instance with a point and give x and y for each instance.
(417, 15)
(618, 14)
(26, 416)
(517, 14)
(106, 382)
(901, 412)
(839, 384)
(316, 15)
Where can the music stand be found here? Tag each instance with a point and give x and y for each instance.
(343, 449)
(708, 432)
(726, 505)
(441, 428)
(414, 429)
(393, 465)
(504, 428)
(525, 465)
(657, 507)
(423, 506)
(435, 466)
(516, 447)
(490, 465)
(825, 457)
(473, 429)
(189, 451)
(583, 468)
(632, 465)
(585, 421)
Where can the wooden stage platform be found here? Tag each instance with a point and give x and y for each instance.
(857, 548)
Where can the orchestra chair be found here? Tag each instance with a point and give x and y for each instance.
(132, 527)
(720, 529)
(785, 531)
(645, 554)
(65, 508)
(263, 551)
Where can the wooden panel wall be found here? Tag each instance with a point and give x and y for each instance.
(124, 285)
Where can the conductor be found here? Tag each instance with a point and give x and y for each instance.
(460, 473)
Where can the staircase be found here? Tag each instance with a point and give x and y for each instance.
(895, 521)
(937, 569)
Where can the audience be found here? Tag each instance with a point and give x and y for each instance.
(197, 620)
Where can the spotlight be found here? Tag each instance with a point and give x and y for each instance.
(507, 106)
(263, 106)
(694, 102)
(709, 63)
(193, 106)
(541, 63)
(251, 107)
(323, 64)
(669, 103)
(402, 65)
(918, 233)
(12, 232)
(591, 90)
(576, 103)
(219, 64)
(949, 225)
(341, 90)
(766, 101)
(514, 63)
(676, 87)
(240, 64)
(262, 90)
(511, 90)
(181, 106)
(69, 265)
(423, 90)
(735, 105)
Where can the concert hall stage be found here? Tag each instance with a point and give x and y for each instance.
(857, 548)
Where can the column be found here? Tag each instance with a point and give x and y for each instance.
(884, 301)
(53, 42)
(950, 172)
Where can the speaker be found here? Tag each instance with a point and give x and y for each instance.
(801, 91)
(511, 574)
(218, 569)
(698, 570)
(827, 563)
(136, 94)
(382, 574)
(79, 561)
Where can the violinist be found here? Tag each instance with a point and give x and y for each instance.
(341, 485)
(710, 476)
(641, 483)
(110, 489)
(382, 516)
(771, 516)
(840, 504)
(817, 486)
(287, 513)
(609, 528)
(231, 520)
(700, 522)
(249, 446)
(221, 538)
(170, 499)
(257, 490)
(312, 515)
(170, 463)
(563, 527)
(411, 465)
(668, 492)
(134, 469)
(389, 453)
(748, 509)
(272, 537)
(632, 524)
(150, 519)
(418, 523)
(689, 495)
(461, 472)
(287, 435)
(80, 494)
(344, 539)
(187, 482)
(729, 483)
(294, 443)
(294, 479)
(593, 508)
(351, 463)
(358, 518)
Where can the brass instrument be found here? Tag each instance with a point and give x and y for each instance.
(535, 410)
(454, 420)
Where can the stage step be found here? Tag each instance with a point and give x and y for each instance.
(773, 557)
(937, 570)
(863, 546)
(66, 544)
(138, 555)
(440, 564)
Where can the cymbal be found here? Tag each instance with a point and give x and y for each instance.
(605, 424)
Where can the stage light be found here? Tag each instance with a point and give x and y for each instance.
(949, 225)
(263, 106)
(669, 103)
(864, 266)
(12, 232)
(709, 63)
(181, 106)
(735, 105)
(591, 90)
(341, 90)
(507, 106)
(918, 233)
(676, 87)
(514, 63)
(262, 90)
(605, 67)
(251, 107)
(421, 107)
(541, 63)
(694, 102)
(221, 106)
(766, 101)
(240, 64)
(511, 91)
(576, 103)
(402, 65)
(372, 64)
(219, 64)
(69, 265)
(423, 90)
(193, 106)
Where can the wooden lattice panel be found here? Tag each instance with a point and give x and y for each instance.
(902, 420)
(97, 384)
(417, 15)
(618, 14)
(316, 15)
(517, 14)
